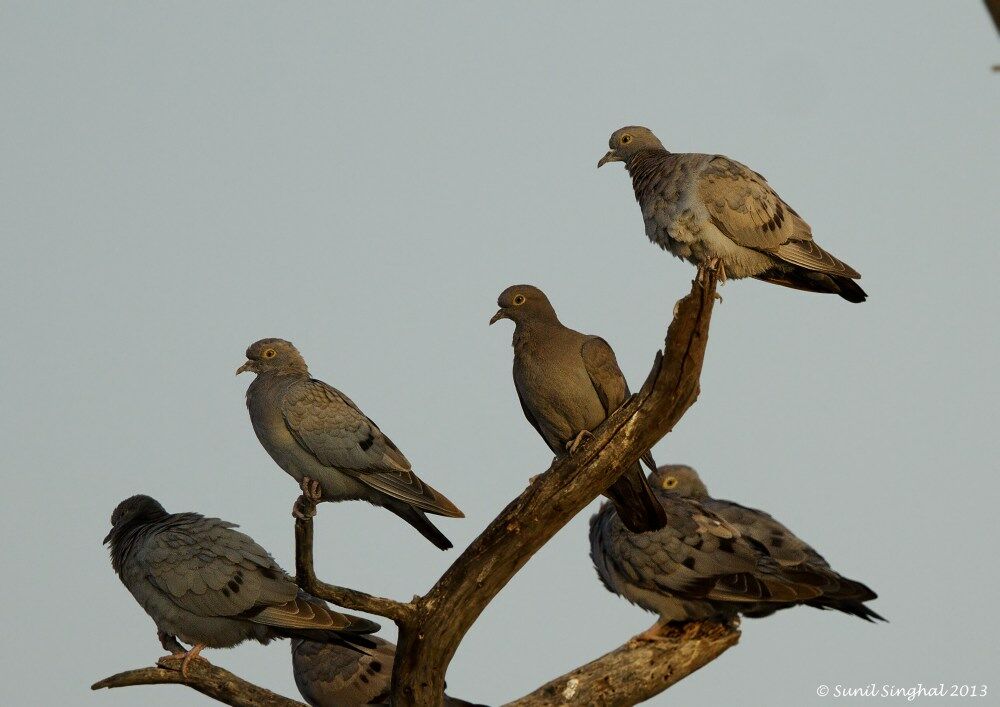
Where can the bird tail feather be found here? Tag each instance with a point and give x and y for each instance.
(635, 502)
(801, 279)
(416, 518)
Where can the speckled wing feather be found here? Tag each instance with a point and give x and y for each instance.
(330, 675)
(208, 569)
(700, 556)
(781, 543)
(745, 209)
(328, 425)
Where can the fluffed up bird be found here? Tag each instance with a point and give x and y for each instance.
(715, 560)
(329, 675)
(212, 586)
(715, 212)
(568, 383)
(317, 434)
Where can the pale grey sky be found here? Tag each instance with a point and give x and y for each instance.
(180, 179)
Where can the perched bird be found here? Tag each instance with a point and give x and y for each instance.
(715, 560)
(329, 675)
(715, 212)
(212, 586)
(568, 383)
(320, 437)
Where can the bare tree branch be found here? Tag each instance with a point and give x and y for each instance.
(305, 576)
(637, 670)
(431, 627)
(444, 615)
(208, 679)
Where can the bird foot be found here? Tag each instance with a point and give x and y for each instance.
(574, 443)
(185, 658)
(715, 265)
(652, 634)
(719, 266)
(170, 643)
(305, 505)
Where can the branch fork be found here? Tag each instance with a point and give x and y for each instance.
(432, 626)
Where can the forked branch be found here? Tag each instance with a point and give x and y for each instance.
(431, 627)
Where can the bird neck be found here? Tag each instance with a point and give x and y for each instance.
(125, 537)
(287, 374)
(531, 334)
(644, 158)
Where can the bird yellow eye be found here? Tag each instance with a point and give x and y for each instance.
(270, 353)
(518, 300)
(670, 482)
(626, 139)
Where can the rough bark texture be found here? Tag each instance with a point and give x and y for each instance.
(305, 575)
(428, 641)
(431, 627)
(204, 677)
(636, 671)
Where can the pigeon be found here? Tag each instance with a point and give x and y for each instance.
(212, 586)
(715, 560)
(322, 439)
(330, 675)
(781, 543)
(715, 212)
(567, 384)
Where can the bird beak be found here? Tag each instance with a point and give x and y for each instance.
(501, 314)
(107, 537)
(248, 366)
(612, 156)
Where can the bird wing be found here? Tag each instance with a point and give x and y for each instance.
(608, 380)
(328, 425)
(781, 543)
(744, 207)
(329, 673)
(206, 568)
(701, 556)
(602, 367)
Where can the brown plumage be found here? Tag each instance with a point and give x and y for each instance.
(713, 211)
(567, 384)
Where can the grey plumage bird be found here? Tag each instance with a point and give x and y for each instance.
(568, 383)
(212, 586)
(715, 560)
(329, 675)
(315, 432)
(713, 211)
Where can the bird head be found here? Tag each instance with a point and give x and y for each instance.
(273, 355)
(679, 479)
(134, 510)
(627, 141)
(519, 303)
